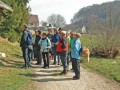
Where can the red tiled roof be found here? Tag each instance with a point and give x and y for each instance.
(33, 19)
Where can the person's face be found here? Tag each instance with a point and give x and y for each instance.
(36, 32)
(49, 31)
(59, 31)
(23, 27)
(71, 35)
(74, 36)
(67, 34)
(55, 31)
(43, 36)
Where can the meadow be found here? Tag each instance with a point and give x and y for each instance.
(107, 67)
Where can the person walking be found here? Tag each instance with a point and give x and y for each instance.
(75, 54)
(62, 48)
(45, 45)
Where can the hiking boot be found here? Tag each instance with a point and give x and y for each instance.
(47, 67)
(54, 64)
(36, 64)
(43, 67)
(63, 73)
(75, 78)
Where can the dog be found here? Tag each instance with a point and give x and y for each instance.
(2, 54)
(86, 53)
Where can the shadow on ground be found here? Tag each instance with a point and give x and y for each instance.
(17, 55)
(52, 79)
(10, 63)
(49, 71)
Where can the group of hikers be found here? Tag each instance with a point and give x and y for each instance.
(57, 45)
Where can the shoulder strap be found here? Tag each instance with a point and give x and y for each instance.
(47, 42)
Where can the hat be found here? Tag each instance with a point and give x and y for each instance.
(64, 32)
(78, 35)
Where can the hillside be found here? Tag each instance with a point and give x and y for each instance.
(11, 73)
(93, 16)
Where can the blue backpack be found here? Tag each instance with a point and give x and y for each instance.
(29, 38)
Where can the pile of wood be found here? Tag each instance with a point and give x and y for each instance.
(105, 53)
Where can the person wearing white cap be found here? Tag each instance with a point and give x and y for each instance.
(62, 49)
(75, 54)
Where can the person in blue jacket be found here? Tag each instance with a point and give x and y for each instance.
(24, 46)
(75, 54)
(54, 41)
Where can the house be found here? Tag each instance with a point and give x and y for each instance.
(33, 21)
(5, 6)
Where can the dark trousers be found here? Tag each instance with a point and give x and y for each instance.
(63, 57)
(45, 59)
(34, 48)
(26, 56)
(76, 67)
(68, 60)
(39, 57)
(71, 60)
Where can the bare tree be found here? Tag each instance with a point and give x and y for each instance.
(56, 20)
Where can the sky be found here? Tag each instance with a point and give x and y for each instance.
(66, 8)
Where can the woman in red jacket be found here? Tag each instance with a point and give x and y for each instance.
(62, 48)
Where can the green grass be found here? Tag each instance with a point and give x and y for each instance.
(107, 67)
(12, 77)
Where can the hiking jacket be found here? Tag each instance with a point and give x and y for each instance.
(75, 49)
(62, 45)
(37, 39)
(50, 36)
(71, 43)
(55, 39)
(23, 42)
(45, 44)
(68, 40)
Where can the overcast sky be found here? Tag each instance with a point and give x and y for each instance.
(67, 8)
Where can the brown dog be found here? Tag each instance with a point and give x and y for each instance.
(86, 53)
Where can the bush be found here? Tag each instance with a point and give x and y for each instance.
(13, 37)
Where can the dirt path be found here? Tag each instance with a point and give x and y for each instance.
(49, 79)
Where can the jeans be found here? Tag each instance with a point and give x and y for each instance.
(26, 56)
(32, 54)
(76, 67)
(55, 54)
(45, 56)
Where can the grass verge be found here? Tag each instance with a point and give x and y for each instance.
(12, 77)
(107, 67)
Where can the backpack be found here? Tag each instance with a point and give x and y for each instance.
(29, 38)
